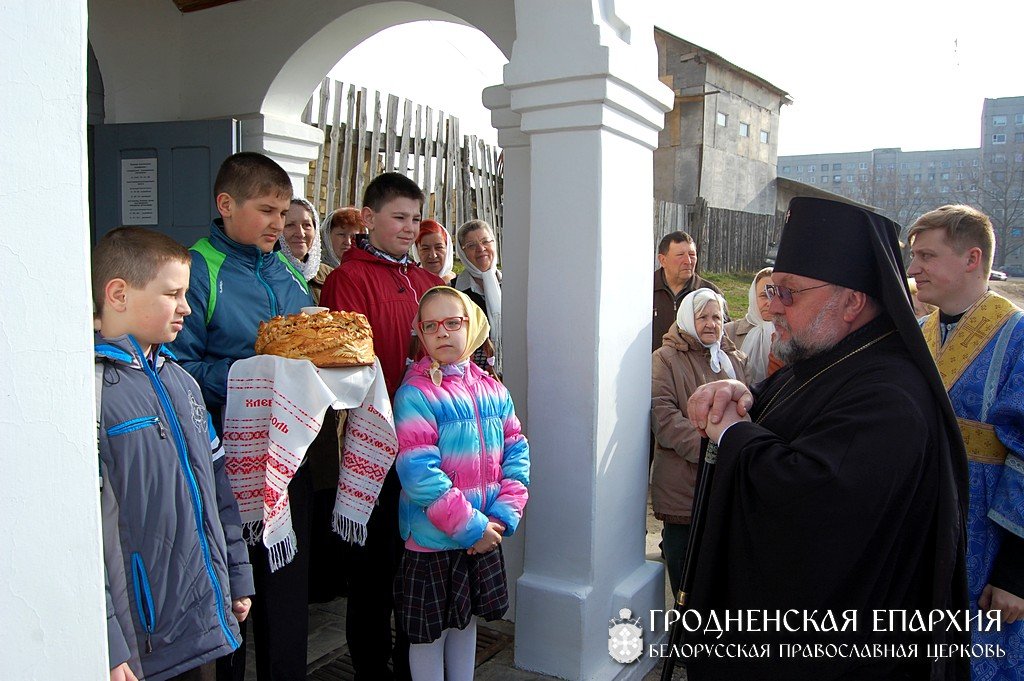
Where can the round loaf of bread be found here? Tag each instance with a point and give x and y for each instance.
(327, 339)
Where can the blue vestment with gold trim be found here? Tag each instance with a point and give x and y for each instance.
(988, 398)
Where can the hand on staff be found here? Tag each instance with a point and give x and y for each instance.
(715, 406)
(994, 598)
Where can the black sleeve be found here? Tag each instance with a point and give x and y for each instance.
(1008, 570)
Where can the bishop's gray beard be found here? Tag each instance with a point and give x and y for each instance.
(821, 335)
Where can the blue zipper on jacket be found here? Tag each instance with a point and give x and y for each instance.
(193, 486)
(270, 292)
(139, 423)
(143, 598)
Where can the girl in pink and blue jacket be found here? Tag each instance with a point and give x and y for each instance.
(464, 466)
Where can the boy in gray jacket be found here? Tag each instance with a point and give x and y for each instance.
(178, 578)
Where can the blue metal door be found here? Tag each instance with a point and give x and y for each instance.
(160, 175)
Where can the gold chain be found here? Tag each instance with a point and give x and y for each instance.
(771, 406)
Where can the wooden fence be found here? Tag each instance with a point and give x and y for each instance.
(461, 176)
(727, 240)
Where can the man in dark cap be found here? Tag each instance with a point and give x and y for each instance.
(841, 482)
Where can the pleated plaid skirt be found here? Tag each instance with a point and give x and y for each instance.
(441, 590)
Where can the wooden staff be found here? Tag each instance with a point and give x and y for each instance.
(702, 494)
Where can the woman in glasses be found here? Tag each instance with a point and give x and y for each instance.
(753, 333)
(481, 278)
(694, 351)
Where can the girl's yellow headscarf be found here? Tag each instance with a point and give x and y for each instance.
(477, 328)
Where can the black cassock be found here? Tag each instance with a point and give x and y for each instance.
(837, 497)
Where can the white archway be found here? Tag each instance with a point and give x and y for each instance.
(578, 116)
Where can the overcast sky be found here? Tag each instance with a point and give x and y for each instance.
(864, 74)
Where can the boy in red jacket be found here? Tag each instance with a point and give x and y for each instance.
(377, 278)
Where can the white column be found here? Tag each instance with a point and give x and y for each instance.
(515, 255)
(584, 80)
(292, 144)
(53, 624)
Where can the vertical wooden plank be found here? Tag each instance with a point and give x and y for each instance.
(455, 143)
(332, 159)
(390, 134)
(403, 147)
(318, 171)
(441, 152)
(493, 163)
(474, 201)
(417, 147)
(478, 188)
(483, 182)
(372, 166)
(360, 149)
(428, 158)
(344, 195)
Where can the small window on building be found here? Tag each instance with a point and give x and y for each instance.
(904, 166)
(959, 176)
(974, 163)
(945, 164)
(863, 178)
(810, 180)
(764, 137)
(1019, 158)
(999, 158)
(785, 169)
(1018, 137)
(999, 138)
(945, 176)
(999, 120)
(917, 190)
(721, 118)
(837, 179)
(811, 169)
(1018, 119)
(799, 169)
(837, 166)
(974, 187)
(931, 177)
(878, 167)
(944, 190)
(917, 177)
(960, 163)
(824, 179)
(999, 176)
(849, 178)
(892, 166)
(744, 130)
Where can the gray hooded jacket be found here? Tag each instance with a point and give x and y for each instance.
(172, 543)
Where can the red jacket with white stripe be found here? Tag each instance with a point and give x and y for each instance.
(388, 294)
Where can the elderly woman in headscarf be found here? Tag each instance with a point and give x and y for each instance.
(301, 243)
(301, 246)
(481, 279)
(338, 233)
(694, 351)
(433, 250)
(753, 334)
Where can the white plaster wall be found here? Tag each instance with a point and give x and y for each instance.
(243, 58)
(137, 45)
(52, 620)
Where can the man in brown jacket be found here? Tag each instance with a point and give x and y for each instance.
(677, 276)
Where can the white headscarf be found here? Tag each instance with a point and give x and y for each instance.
(689, 308)
(491, 291)
(311, 266)
(449, 252)
(758, 341)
